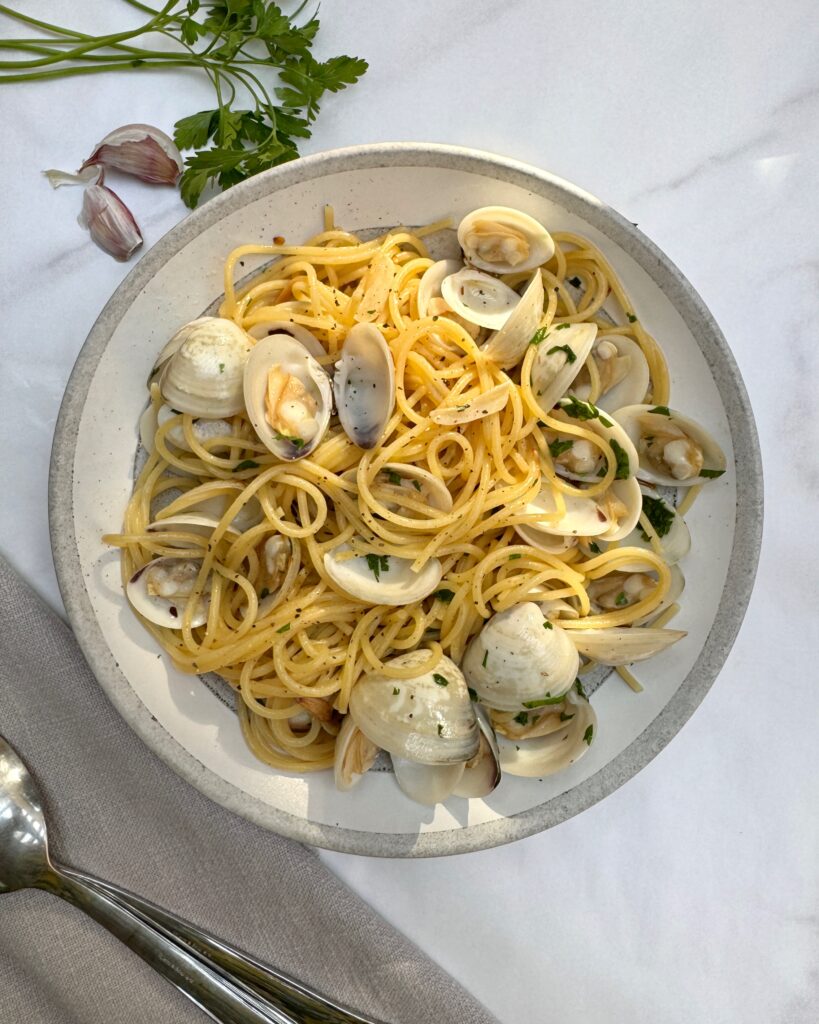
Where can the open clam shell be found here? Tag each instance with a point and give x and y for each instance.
(503, 240)
(288, 397)
(479, 298)
(623, 372)
(482, 773)
(161, 589)
(673, 449)
(429, 287)
(364, 385)
(574, 726)
(301, 334)
(622, 646)
(559, 359)
(354, 755)
(507, 346)
(381, 579)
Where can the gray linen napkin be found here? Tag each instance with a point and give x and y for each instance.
(117, 811)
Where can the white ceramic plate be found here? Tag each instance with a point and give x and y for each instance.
(92, 464)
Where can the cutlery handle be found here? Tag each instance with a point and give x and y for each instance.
(284, 991)
(210, 990)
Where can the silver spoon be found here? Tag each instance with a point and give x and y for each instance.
(25, 863)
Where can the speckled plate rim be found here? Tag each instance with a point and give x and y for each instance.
(739, 579)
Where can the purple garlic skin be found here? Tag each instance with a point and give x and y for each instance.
(110, 222)
(141, 150)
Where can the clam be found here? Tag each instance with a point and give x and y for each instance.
(279, 571)
(199, 525)
(427, 783)
(160, 591)
(611, 515)
(203, 376)
(381, 579)
(364, 385)
(296, 331)
(288, 397)
(175, 343)
(559, 359)
(430, 302)
(520, 661)
(550, 543)
(215, 506)
(555, 609)
(398, 481)
(479, 298)
(630, 584)
(565, 734)
(622, 646)
(204, 430)
(482, 773)
(503, 240)
(476, 408)
(354, 755)
(673, 449)
(507, 345)
(623, 372)
(428, 718)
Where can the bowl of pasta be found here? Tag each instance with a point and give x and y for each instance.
(406, 500)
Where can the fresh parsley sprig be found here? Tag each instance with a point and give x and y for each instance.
(267, 83)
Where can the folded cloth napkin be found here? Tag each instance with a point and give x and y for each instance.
(119, 812)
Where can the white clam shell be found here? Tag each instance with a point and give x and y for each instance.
(175, 343)
(423, 721)
(364, 385)
(481, 236)
(199, 525)
(215, 505)
(164, 611)
(203, 429)
(713, 456)
(429, 287)
(507, 346)
(204, 374)
(301, 334)
(397, 583)
(479, 298)
(552, 544)
(623, 646)
(675, 589)
(482, 773)
(546, 755)
(351, 745)
(675, 544)
(516, 661)
(284, 351)
(633, 387)
(427, 784)
(418, 482)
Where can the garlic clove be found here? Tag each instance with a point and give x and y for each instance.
(91, 174)
(110, 222)
(141, 150)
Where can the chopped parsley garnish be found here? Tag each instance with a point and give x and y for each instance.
(623, 467)
(632, 319)
(621, 599)
(522, 718)
(439, 679)
(473, 694)
(539, 335)
(562, 327)
(485, 656)
(580, 410)
(416, 485)
(658, 514)
(393, 477)
(221, 367)
(395, 691)
(575, 281)
(263, 593)
(246, 464)
(284, 628)
(579, 687)
(440, 728)
(444, 595)
(570, 354)
(378, 564)
(547, 624)
(564, 717)
(558, 447)
(588, 735)
(661, 410)
(595, 547)
(297, 442)
(513, 557)
(711, 474)
(548, 699)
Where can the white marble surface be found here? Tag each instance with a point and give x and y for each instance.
(691, 894)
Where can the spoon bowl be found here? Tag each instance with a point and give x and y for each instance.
(24, 858)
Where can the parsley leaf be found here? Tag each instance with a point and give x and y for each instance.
(547, 624)
(440, 728)
(473, 694)
(522, 718)
(513, 558)
(658, 514)
(711, 474)
(246, 464)
(539, 335)
(395, 691)
(579, 687)
(548, 699)
(661, 410)
(439, 679)
(284, 628)
(485, 656)
(297, 442)
(621, 600)
(444, 595)
(588, 735)
(562, 327)
(570, 354)
(632, 319)
(416, 485)
(564, 717)
(578, 409)
(595, 547)
(621, 455)
(393, 477)
(557, 447)
(378, 564)
(263, 593)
